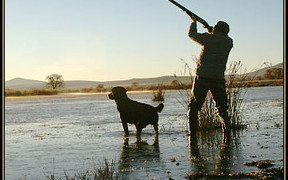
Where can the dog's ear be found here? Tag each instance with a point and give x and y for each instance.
(119, 92)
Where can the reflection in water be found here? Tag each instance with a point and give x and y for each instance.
(201, 163)
(139, 158)
(224, 156)
(197, 161)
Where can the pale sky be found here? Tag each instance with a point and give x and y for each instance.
(104, 40)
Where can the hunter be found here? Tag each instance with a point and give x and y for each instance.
(211, 65)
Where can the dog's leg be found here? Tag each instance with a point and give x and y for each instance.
(156, 133)
(125, 140)
(156, 128)
(156, 140)
(125, 127)
(139, 130)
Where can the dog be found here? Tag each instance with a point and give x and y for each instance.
(133, 112)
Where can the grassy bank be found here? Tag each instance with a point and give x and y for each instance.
(34, 92)
(256, 83)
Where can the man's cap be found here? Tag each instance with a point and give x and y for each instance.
(222, 26)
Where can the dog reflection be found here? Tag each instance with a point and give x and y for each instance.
(138, 157)
(141, 142)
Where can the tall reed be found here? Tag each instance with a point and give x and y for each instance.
(236, 94)
(208, 118)
(185, 92)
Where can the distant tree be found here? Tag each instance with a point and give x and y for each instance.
(175, 83)
(55, 81)
(135, 84)
(259, 78)
(100, 86)
(274, 73)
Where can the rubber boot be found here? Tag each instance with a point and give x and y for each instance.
(192, 121)
(226, 127)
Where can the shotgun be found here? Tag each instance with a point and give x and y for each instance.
(192, 15)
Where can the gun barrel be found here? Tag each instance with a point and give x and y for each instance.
(190, 13)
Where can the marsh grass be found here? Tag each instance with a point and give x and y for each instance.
(33, 92)
(208, 118)
(236, 94)
(184, 92)
(158, 95)
(208, 115)
(107, 172)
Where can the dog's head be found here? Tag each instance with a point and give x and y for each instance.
(118, 93)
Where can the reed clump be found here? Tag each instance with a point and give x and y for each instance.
(158, 95)
(208, 115)
(107, 172)
(236, 94)
(208, 118)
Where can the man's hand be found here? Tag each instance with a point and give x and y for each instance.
(210, 29)
(193, 18)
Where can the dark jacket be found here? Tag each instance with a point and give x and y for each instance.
(215, 50)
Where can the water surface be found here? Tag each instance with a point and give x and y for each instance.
(45, 136)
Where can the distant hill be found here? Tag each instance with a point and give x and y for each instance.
(262, 71)
(20, 83)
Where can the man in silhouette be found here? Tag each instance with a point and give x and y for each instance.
(216, 46)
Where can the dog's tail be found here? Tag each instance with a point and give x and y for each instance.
(159, 107)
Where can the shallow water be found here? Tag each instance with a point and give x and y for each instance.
(48, 136)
